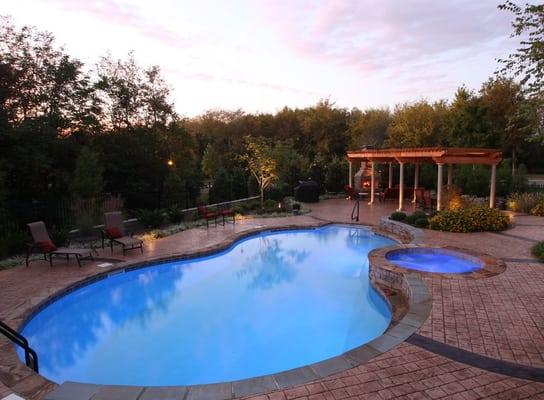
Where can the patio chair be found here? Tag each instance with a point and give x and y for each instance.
(420, 201)
(44, 244)
(350, 192)
(227, 213)
(207, 215)
(115, 232)
(427, 201)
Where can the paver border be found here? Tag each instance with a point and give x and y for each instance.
(410, 304)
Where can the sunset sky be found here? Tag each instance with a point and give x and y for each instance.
(261, 55)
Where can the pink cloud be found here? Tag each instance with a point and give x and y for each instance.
(125, 15)
(372, 36)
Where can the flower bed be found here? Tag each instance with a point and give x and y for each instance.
(473, 218)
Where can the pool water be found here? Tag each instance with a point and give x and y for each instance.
(432, 260)
(272, 302)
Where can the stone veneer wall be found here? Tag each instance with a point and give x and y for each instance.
(406, 232)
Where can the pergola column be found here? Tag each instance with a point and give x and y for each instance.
(372, 182)
(416, 181)
(401, 186)
(439, 187)
(350, 178)
(390, 175)
(450, 174)
(493, 186)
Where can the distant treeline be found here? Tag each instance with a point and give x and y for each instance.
(68, 130)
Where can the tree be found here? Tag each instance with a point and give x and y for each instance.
(87, 181)
(527, 62)
(174, 190)
(211, 162)
(369, 127)
(464, 120)
(417, 125)
(132, 96)
(507, 126)
(259, 160)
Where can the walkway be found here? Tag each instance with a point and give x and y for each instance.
(498, 319)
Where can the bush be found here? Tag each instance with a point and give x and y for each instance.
(470, 219)
(538, 251)
(13, 243)
(421, 222)
(278, 191)
(452, 199)
(398, 216)
(538, 210)
(270, 205)
(150, 218)
(240, 208)
(524, 202)
(175, 215)
(59, 235)
(411, 219)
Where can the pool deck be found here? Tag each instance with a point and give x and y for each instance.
(483, 339)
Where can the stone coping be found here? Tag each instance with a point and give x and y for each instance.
(490, 266)
(410, 303)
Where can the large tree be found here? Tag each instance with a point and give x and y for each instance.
(417, 125)
(527, 62)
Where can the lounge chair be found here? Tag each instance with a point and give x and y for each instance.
(115, 232)
(207, 215)
(44, 244)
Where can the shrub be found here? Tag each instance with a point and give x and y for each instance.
(538, 210)
(412, 218)
(270, 205)
(175, 215)
(421, 222)
(538, 251)
(59, 235)
(398, 216)
(278, 191)
(470, 219)
(452, 198)
(524, 202)
(150, 218)
(239, 208)
(84, 224)
(253, 205)
(13, 243)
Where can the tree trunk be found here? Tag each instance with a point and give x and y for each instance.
(262, 197)
(513, 163)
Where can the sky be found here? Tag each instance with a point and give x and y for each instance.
(262, 55)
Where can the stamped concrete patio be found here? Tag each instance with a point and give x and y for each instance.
(484, 338)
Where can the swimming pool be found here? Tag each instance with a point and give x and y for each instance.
(271, 302)
(428, 259)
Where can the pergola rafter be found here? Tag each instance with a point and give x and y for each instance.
(432, 155)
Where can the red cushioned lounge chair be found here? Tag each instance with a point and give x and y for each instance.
(44, 244)
(115, 232)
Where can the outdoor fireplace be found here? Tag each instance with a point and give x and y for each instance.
(363, 177)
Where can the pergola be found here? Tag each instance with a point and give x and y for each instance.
(435, 155)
